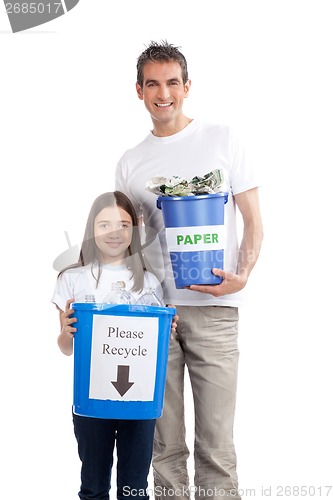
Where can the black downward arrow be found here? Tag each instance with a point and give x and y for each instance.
(122, 384)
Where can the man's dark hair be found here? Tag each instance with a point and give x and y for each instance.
(161, 52)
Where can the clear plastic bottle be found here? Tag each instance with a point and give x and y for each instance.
(89, 298)
(149, 298)
(118, 294)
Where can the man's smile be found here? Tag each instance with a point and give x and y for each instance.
(163, 104)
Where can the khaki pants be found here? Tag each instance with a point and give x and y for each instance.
(206, 342)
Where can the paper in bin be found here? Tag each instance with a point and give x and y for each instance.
(178, 186)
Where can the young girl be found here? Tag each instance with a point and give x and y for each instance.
(110, 252)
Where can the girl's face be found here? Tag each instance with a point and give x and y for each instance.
(113, 229)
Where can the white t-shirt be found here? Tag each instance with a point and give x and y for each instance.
(79, 282)
(196, 150)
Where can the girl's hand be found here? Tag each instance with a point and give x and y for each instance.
(66, 321)
(174, 322)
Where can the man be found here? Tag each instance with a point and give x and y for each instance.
(206, 337)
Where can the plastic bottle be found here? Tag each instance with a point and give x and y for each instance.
(89, 298)
(118, 294)
(149, 298)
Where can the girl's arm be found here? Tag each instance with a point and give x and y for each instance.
(65, 339)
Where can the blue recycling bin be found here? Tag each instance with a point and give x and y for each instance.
(120, 360)
(195, 236)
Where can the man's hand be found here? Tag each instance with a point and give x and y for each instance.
(231, 283)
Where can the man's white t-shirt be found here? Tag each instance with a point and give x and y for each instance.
(196, 150)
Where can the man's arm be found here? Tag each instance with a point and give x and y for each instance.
(248, 204)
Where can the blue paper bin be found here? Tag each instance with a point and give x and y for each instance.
(195, 235)
(120, 360)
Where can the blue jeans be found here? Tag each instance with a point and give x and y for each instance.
(96, 438)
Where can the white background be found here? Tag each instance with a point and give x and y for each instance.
(68, 111)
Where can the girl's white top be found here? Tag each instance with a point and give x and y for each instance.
(79, 282)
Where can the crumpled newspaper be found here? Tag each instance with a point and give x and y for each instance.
(178, 186)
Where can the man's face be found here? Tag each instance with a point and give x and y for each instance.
(163, 92)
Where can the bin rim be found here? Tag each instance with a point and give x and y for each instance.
(123, 308)
(191, 197)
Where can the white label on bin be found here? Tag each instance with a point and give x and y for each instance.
(195, 238)
(123, 358)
